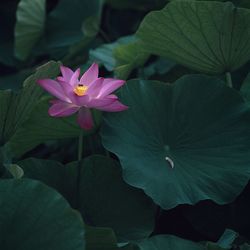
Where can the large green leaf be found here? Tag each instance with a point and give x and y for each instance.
(15, 108)
(34, 216)
(40, 127)
(182, 143)
(169, 242)
(207, 36)
(99, 193)
(30, 17)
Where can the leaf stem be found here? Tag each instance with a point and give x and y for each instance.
(229, 80)
(80, 145)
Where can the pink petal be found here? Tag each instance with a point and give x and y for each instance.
(54, 88)
(74, 79)
(110, 85)
(114, 107)
(60, 109)
(90, 75)
(95, 88)
(84, 119)
(69, 91)
(67, 73)
(101, 102)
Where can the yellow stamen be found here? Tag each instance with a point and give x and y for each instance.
(80, 89)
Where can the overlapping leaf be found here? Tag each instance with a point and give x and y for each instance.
(16, 107)
(211, 37)
(34, 216)
(98, 191)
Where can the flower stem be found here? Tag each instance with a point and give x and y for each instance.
(80, 145)
(229, 80)
(80, 151)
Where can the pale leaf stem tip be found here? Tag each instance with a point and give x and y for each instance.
(171, 163)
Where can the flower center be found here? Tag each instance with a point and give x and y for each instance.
(80, 89)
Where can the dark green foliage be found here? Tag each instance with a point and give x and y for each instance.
(172, 171)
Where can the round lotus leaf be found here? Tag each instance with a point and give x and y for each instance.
(184, 142)
(208, 36)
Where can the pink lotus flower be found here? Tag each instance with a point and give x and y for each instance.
(74, 95)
